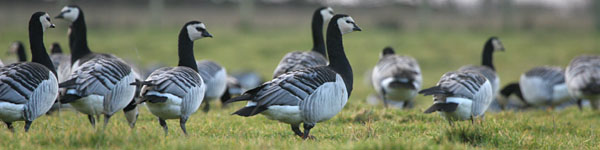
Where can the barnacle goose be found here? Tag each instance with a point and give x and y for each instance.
(583, 79)
(177, 92)
(505, 102)
(487, 68)
(28, 89)
(544, 86)
(299, 60)
(18, 48)
(460, 95)
(309, 95)
(396, 79)
(99, 83)
(215, 78)
(62, 63)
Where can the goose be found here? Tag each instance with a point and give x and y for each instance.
(504, 98)
(309, 95)
(28, 89)
(18, 48)
(299, 60)
(62, 63)
(487, 65)
(215, 78)
(99, 83)
(397, 79)
(460, 95)
(177, 92)
(544, 86)
(583, 79)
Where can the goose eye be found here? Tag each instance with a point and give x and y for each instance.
(331, 12)
(348, 21)
(199, 29)
(48, 18)
(68, 10)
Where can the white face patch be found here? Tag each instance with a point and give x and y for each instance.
(497, 45)
(327, 13)
(70, 13)
(45, 21)
(346, 24)
(195, 31)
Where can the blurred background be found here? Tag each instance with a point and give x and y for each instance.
(254, 34)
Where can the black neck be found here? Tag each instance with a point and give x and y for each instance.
(78, 39)
(337, 58)
(317, 33)
(38, 51)
(186, 50)
(21, 53)
(488, 51)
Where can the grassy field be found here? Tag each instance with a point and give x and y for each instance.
(358, 126)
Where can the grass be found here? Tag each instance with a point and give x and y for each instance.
(358, 126)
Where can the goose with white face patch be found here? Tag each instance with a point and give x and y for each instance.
(460, 95)
(215, 78)
(487, 68)
(310, 95)
(396, 79)
(299, 60)
(583, 79)
(177, 92)
(28, 89)
(19, 49)
(99, 83)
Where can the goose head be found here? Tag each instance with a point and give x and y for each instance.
(326, 13)
(346, 24)
(43, 19)
(495, 43)
(197, 30)
(70, 13)
(387, 51)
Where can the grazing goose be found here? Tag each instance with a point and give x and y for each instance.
(487, 68)
(99, 83)
(544, 86)
(299, 60)
(504, 100)
(215, 78)
(177, 92)
(460, 95)
(583, 79)
(62, 63)
(28, 89)
(310, 95)
(397, 79)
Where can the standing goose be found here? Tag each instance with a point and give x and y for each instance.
(62, 63)
(299, 60)
(583, 79)
(99, 83)
(18, 48)
(487, 68)
(460, 95)
(28, 89)
(310, 95)
(544, 86)
(215, 78)
(177, 92)
(397, 79)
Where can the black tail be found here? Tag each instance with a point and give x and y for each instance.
(154, 99)
(226, 95)
(248, 95)
(432, 91)
(67, 98)
(445, 107)
(249, 111)
(68, 84)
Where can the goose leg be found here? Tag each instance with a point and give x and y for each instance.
(580, 104)
(385, 102)
(182, 122)
(106, 118)
(206, 107)
(296, 129)
(92, 120)
(9, 126)
(163, 123)
(27, 125)
(307, 128)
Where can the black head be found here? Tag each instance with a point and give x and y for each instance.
(388, 50)
(55, 48)
(196, 30)
(495, 43)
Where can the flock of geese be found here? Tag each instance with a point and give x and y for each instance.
(308, 87)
